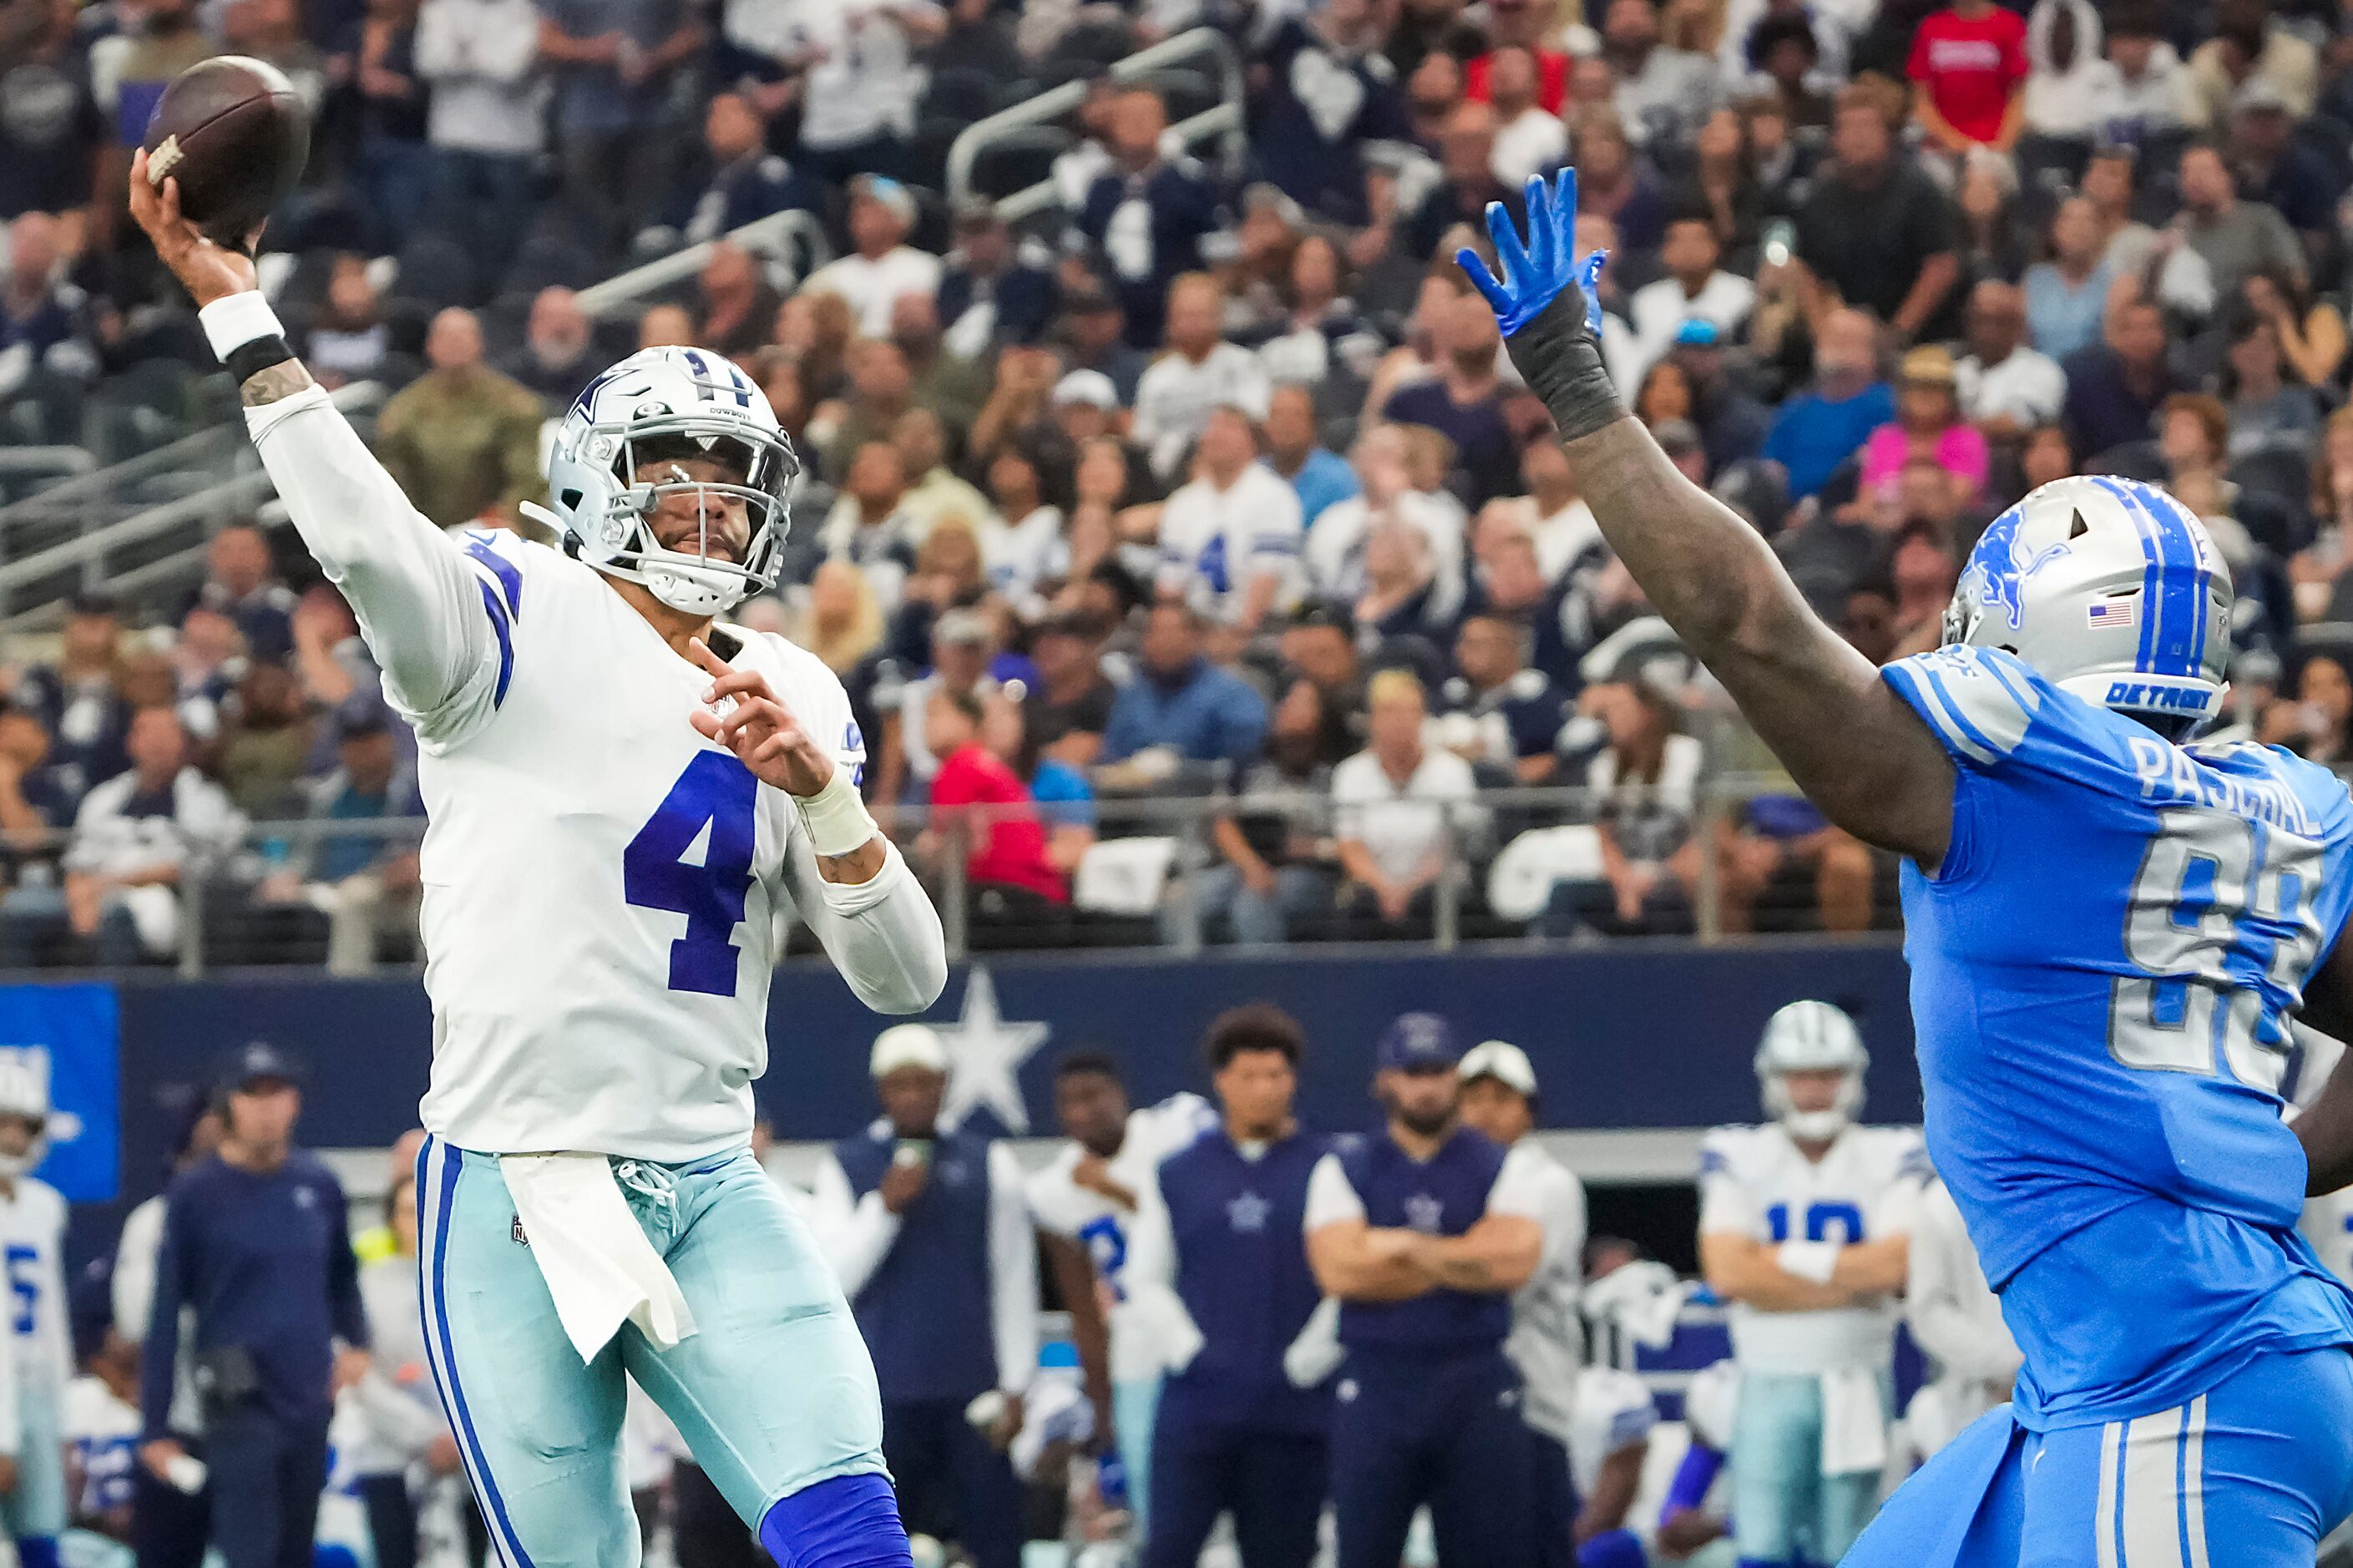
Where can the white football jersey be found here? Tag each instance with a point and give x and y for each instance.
(102, 1431)
(2328, 1224)
(1611, 1410)
(1754, 1182)
(32, 1232)
(1547, 1338)
(1062, 1207)
(599, 880)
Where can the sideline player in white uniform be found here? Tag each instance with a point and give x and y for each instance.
(32, 1387)
(1956, 1319)
(1086, 1201)
(1547, 1338)
(1804, 1229)
(621, 790)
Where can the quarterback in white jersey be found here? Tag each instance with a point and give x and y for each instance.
(1086, 1201)
(33, 1378)
(622, 791)
(1804, 1230)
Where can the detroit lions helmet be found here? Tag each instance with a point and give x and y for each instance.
(24, 1094)
(1812, 1037)
(615, 458)
(2110, 589)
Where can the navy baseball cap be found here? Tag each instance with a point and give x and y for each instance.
(256, 1062)
(1418, 1042)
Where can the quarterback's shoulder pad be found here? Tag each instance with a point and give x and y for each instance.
(808, 687)
(1978, 702)
(1724, 1150)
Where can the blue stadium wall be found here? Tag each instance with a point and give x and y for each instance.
(1636, 1035)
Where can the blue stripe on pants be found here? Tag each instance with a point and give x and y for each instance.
(433, 1285)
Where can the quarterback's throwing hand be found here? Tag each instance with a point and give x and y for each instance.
(206, 270)
(743, 715)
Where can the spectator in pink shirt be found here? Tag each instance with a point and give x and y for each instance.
(1928, 424)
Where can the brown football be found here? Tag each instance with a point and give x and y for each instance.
(236, 134)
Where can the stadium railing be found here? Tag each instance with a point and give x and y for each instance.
(1502, 853)
(1222, 119)
(143, 523)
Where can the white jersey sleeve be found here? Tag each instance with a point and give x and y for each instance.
(882, 933)
(1331, 1197)
(1905, 1157)
(440, 612)
(1727, 1203)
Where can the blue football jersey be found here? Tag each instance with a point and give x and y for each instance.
(2104, 972)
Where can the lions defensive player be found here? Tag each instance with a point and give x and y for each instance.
(621, 792)
(1804, 1229)
(33, 1379)
(2109, 931)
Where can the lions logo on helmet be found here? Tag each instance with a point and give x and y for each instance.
(2110, 589)
(1812, 1037)
(616, 457)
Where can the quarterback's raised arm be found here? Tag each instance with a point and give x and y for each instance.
(420, 603)
(1850, 741)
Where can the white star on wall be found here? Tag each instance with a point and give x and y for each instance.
(984, 1057)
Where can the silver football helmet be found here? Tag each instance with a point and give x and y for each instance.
(2110, 589)
(617, 455)
(1812, 1037)
(25, 1092)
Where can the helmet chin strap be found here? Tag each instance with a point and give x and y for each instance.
(1816, 1126)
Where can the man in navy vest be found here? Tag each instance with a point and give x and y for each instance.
(1424, 1231)
(1215, 1258)
(914, 1216)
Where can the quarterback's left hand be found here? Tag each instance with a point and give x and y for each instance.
(760, 730)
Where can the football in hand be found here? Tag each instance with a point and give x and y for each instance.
(236, 134)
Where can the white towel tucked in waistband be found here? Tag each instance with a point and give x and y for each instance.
(592, 1252)
(1854, 1421)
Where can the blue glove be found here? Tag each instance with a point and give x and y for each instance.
(1546, 305)
(1536, 273)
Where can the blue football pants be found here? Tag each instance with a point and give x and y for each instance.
(2250, 1474)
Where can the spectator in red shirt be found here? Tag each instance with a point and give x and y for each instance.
(1520, 24)
(1969, 64)
(1006, 861)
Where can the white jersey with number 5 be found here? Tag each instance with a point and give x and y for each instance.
(599, 880)
(32, 1238)
(1755, 1182)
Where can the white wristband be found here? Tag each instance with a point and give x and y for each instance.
(837, 819)
(1814, 1260)
(236, 320)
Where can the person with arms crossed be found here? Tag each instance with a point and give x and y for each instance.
(621, 793)
(256, 1244)
(918, 1214)
(1424, 1231)
(33, 1383)
(1804, 1227)
(2110, 932)
(1547, 1338)
(1217, 1269)
(1084, 1203)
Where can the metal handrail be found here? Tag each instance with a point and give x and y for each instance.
(1189, 817)
(1225, 119)
(90, 550)
(769, 236)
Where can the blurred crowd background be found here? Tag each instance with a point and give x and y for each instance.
(1198, 566)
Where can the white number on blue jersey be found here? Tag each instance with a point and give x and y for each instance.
(2205, 894)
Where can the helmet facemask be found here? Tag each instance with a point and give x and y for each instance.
(648, 460)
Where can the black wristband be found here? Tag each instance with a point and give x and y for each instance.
(248, 360)
(1560, 359)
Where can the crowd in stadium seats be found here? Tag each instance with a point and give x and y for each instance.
(1206, 474)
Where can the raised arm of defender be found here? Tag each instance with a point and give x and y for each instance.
(417, 599)
(1852, 744)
